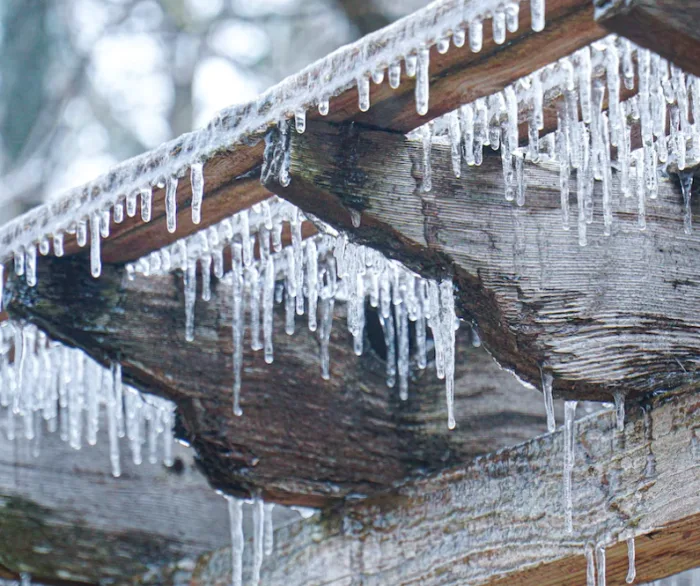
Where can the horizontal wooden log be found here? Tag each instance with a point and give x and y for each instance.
(500, 519)
(64, 518)
(231, 175)
(301, 440)
(667, 27)
(617, 315)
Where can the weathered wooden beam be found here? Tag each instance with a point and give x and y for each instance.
(64, 518)
(617, 315)
(301, 440)
(230, 175)
(500, 519)
(667, 27)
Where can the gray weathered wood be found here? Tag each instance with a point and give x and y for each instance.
(500, 519)
(619, 314)
(667, 27)
(64, 517)
(301, 440)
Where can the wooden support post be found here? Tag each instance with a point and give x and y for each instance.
(617, 315)
(667, 27)
(500, 520)
(301, 440)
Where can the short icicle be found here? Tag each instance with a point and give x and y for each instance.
(631, 569)
(427, 143)
(363, 92)
(258, 539)
(600, 564)
(235, 513)
(569, 458)
(171, 204)
(237, 325)
(619, 398)
(197, 184)
(146, 199)
(686, 179)
(269, 540)
(590, 565)
(190, 285)
(547, 380)
(95, 254)
(423, 81)
(537, 10)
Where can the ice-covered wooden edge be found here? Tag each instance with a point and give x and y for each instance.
(231, 147)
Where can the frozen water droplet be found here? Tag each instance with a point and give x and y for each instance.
(323, 107)
(363, 92)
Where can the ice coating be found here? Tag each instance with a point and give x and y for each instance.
(49, 385)
(314, 274)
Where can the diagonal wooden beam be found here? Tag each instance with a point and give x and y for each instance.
(500, 519)
(667, 27)
(617, 315)
(233, 143)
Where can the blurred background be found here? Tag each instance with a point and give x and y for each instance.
(85, 84)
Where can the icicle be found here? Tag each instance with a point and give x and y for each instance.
(190, 286)
(619, 398)
(19, 261)
(627, 65)
(300, 119)
(325, 334)
(268, 308)
(590, 565)
(395, 74)
(197, 183)
(547, 379)
(205, 263)
(512, 14)
(237, 326)
(455, 134)
(607, 178)
(411, 64)
(323, 107)
(131, 204)
(146, 198)
(583, 177)
(537, 10)
(118, 390)
(253, 279)
(112, 431)
(466, 118)
(520, 185)
(401, 318)
(81, 232)
(499, 26)
(631, 570)
(44, 246)
(476, 34)
(427, 143)
(564, 170)
(686, 180)
(95, 254)
(600, 563)
(443, 45)
(569, 442)
(258, 537)
(641, 192)
(235, 514)
(459, 36)
(30, 264)
(584, 83)
(355, 217)
(363, 92)
(269, 528)
(390, 343)
(312, 282)
(171, 203)
(118, 213)
(58, 244)
(423, 81)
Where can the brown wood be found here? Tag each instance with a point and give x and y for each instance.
(301, 440)
(500, 519)
(616, 315)
(231, 175)
(65, 519)
(667, 27)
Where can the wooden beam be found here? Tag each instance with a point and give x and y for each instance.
(301, 440)
(618, 315)
(234, 146)
(500, 519)
(64, 518)
(667, 27)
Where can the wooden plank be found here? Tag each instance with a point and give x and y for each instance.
(64, 518)
(667, 27)
(618, 315)
(233, 144)
(500, 519)
(301, 440)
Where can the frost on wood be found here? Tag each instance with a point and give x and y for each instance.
(47, 386)
(308, 277)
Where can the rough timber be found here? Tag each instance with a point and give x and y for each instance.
(499, 520)
(232, 143)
